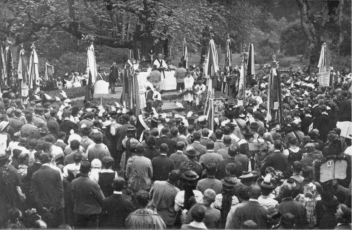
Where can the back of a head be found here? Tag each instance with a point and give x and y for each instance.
(286, 190)
(174, 131)
(118, 184)
(44, 158)
(126, 118)
(218, 134)
(227, 140)
(278, 144)
(151, 141)
(50, 138)
(107, 162)
(142, 198)
(154, 132)
(98, 137)
(233, 151)
(77, 157)
(297, 166)
(196, 136)
(209, 195)
(210, 168)
(85, 167)
(53, 113)
(61, 135)
(180, 145)
(174, 176)
(254, 191)
(74, 145)
(164, 131)
(205, 132)
(227, 130)
(198, 212)
(276, 136)
(292, 141)
(210, 145)
(164, 148)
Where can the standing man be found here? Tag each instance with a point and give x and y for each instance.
(250, 210)
(47, 191)
(163, 195)
(161, 65)
(116, 207)
(114, 74)
(87, 198)
(180, 74)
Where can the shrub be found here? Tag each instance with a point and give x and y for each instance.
(284, 63)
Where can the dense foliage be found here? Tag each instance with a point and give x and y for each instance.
(62, 29)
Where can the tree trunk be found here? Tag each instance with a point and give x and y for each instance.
(307, 19)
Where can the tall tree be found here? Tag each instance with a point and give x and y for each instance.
(324, 25)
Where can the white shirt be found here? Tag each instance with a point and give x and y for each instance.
(157, 96)
(158, 65)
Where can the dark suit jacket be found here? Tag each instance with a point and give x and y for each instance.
(306, 122)
(297, 209)
(345, 110)
(151, 153)
(277, 160)
(162, 166)
(250, 210)
(120, 135)
(66, 127)
(170, 143)
(116, 209)
(53, 126)
(221, 173)
(47, 188)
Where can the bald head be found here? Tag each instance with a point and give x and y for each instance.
(254, 191)
(209, 196)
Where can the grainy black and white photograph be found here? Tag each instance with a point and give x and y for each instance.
(175, 114)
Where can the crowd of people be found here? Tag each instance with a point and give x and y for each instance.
(64, 166)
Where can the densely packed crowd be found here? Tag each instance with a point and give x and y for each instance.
(62, 166)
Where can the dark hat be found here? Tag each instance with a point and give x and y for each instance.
(247, 131)
(267, 182)
(294, 184)
(254, 126)
(191, 151)
(229, 182)
(190, 175)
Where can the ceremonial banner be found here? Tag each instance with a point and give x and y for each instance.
(228, 61)
(22, 70)
(210, 112)
(250, 65)
(9, 65)
(324, 78)
(211, 64)
(322, 59)
(274, 96)
(92, 71)
(22, 73)
(49, 71)
(184, 59)
(33, 70)
(3, 66)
